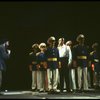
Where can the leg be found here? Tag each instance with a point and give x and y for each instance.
(73, 79)
(0, 79)
(38, 80)
(79, 73)
(70, 79)
(33, 80)
(55, 79)
(85, 81)
(76, 77)
(46, 81)
(49, 76)
(41, 81)
(66, 75)
(61, 79)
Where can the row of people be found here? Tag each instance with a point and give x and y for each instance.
(52, 66)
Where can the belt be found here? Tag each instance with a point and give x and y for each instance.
(52, 59)
(42, 63)
(81, 57)
(96, 60)
(63, 57)
(34, 62)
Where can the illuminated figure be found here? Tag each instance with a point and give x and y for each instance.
(52, 55)
(33, 65)
(80, 60)
(42, 68)
(65, 58)
(95, 64)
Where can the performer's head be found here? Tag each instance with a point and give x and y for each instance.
(42, 47)
(51, 41)
(80, 38)
(4, 42)
(35, 48)
(61, 41)
(95, 46)
(69, 43)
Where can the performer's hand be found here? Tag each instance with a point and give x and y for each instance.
(74, 64)
(9, 51)
(33, 62)
(30, 67)
(38, 66)
(59, 64)
(90, 63)
(45, 65)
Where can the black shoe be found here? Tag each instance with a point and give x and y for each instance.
(69, 91)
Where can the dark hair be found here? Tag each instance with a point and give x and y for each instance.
(3, 40)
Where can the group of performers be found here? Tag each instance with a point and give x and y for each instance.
(65, 66)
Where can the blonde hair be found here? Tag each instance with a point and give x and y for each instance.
(50, 39)
(42, 44)
(69, 42)
(35, 45)
(79, 36)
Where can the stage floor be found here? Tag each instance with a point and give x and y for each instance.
(36, 95)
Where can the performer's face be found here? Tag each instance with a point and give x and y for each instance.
(53, 42)
(43, 48)
(61, 42)
(81, 41)
(70, 45)
(36, 49)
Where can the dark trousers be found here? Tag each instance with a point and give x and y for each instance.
(91, 76)
(64, 74)
(4, 80)
(76, 78)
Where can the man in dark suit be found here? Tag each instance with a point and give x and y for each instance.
(4, 55)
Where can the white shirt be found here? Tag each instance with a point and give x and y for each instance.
(65, 51)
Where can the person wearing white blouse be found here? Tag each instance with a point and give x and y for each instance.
(65, 60)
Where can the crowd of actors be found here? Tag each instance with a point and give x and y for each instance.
(65, 66)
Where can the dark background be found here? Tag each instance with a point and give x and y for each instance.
(25, 23)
